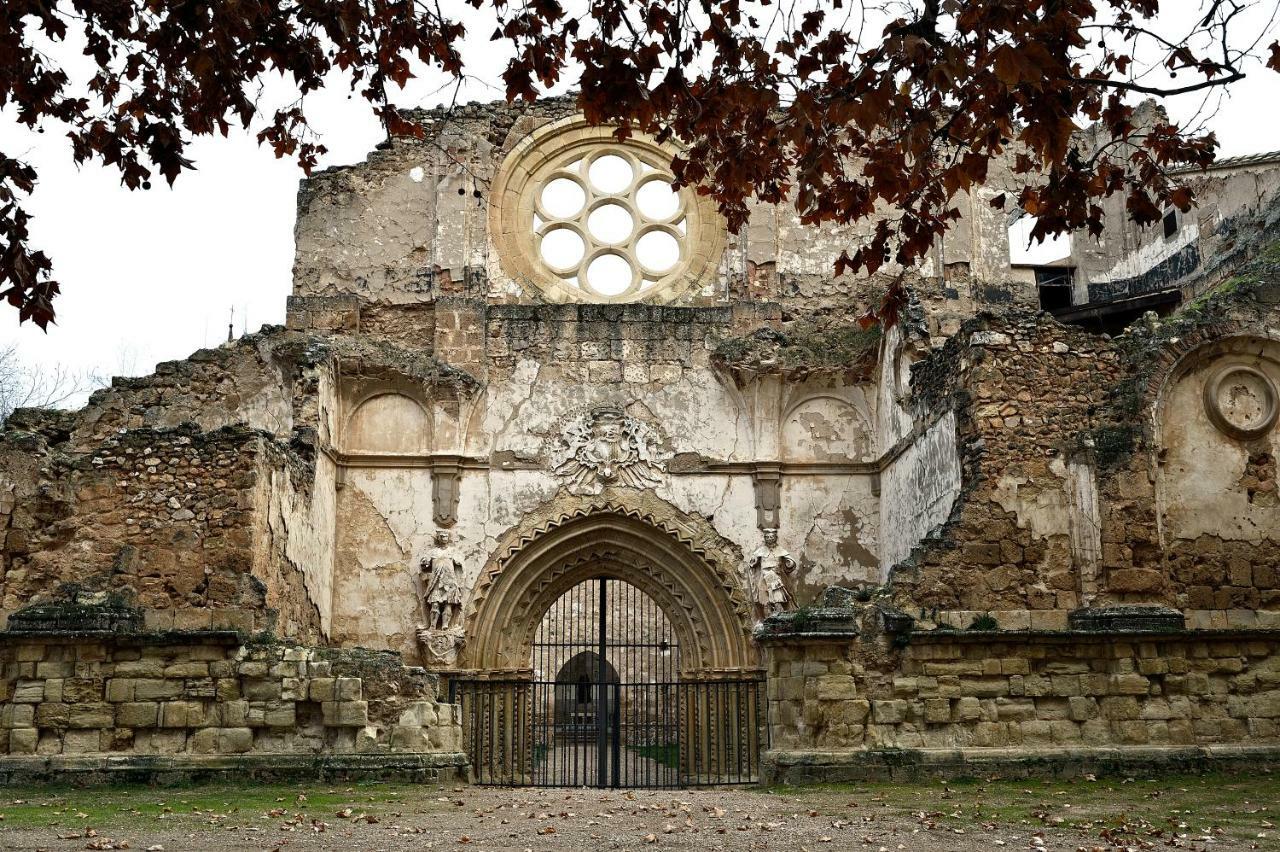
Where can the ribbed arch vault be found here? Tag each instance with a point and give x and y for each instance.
(679, 561)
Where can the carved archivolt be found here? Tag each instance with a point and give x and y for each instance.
(676, 559)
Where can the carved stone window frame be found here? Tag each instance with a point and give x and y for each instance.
(518, 222)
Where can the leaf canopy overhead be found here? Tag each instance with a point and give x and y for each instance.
(877, 111)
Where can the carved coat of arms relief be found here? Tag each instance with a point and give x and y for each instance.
(606, 446)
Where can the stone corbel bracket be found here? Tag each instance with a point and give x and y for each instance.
(766, 478)
(446, 476)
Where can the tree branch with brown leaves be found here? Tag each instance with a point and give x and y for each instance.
(879, 112)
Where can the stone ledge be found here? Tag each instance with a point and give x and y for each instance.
(820, 767)
(86, 770)
(145, 637)
(1188, 635)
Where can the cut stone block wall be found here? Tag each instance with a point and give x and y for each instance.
(1050, 692)
(208, 694)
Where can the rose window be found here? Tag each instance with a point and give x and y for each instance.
(584, 217)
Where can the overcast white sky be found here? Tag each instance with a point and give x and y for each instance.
(152, 276)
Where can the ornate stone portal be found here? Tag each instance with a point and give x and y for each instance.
(768, 570)
(606, 446)
(442, 636)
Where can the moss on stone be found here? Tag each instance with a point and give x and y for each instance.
(804, 347)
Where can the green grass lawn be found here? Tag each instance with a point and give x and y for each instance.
(216, 804)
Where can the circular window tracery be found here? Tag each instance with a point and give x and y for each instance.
(585, 217)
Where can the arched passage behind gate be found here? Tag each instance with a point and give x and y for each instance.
(686, 707)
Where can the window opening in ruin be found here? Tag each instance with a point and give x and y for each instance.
(586, 217)
(610, 224)
(1170, 222)
(1054, 286)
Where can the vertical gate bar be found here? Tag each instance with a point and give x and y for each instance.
(625, 655)
(546, 707)
(477, 721)
(691, 713)
(620, 743)
(628, 674)
(566, 767)
(737, 733)
(518, 711)
(484, 733)
(741, 701)
(580, 629)
(762, 740)
(493, 732)
(633, 626)
(717, 743)
(709, 722)
(481, 726)
(536, 720)
(726, 733)
(602, 709)
(691, 724)
(563, 752)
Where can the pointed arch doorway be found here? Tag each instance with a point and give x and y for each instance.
(609, 653)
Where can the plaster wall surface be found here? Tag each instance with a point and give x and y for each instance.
(1214, 484)
(918, 488)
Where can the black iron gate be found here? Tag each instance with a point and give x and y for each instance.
(606, 707)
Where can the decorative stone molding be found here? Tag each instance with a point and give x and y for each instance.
(1241, 401)
(608, 447)
(677, 559)
(585, 217)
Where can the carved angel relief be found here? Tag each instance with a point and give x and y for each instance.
(608, 447)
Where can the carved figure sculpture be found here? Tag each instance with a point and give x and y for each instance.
(608, 447)
(770, 567)
(441, 572)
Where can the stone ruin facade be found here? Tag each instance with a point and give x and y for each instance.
(1035, 523)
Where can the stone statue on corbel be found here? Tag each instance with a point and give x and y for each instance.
(768, 569)
(441, 636)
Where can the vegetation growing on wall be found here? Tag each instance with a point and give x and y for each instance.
(1123, 427)
(803, 348)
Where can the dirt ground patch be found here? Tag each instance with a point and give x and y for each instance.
(1204, 812)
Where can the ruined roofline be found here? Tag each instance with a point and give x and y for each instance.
(1262, 158)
